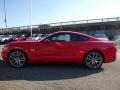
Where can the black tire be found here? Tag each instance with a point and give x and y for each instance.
(94, 60)
(17, 59)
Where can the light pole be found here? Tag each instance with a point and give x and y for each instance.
(31, 17)
(5, 16)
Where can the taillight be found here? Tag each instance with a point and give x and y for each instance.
(113, 43)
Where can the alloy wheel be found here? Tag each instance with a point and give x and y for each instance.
(94, 60)
(17, 59)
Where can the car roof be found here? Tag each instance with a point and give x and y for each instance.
(67, 32)
(72, 32)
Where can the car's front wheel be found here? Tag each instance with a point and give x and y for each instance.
(94, 60)
(17, 59)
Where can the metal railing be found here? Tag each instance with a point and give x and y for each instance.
(65, 23)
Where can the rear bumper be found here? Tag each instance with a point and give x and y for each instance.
(112, 59)
(110, 54)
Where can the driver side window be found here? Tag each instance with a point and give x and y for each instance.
(61, 37)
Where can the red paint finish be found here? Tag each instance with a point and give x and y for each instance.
(50, 49)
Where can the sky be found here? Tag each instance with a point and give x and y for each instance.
(51, 11)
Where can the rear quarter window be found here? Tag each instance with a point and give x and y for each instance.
(75, 37)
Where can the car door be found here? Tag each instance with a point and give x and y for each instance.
(78, 45)
(57, 49)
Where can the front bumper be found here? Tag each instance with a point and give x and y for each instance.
(4, 55)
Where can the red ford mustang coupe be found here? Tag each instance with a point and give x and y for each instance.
(60, 47)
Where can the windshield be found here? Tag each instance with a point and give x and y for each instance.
(43, 37)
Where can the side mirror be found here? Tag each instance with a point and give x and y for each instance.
(46, 41)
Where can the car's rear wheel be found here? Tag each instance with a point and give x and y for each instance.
(94, 60)
(17, 59)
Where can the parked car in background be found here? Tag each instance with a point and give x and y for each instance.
(101, 36)
(32, 37)
(17, 38)
(61, 47)
(1, 37)
(117, 37)
(35, 37)
(5, 39)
